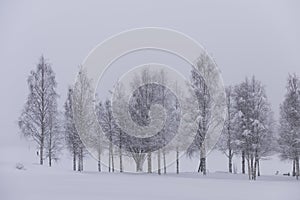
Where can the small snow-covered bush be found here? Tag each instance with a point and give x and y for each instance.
(20, 166)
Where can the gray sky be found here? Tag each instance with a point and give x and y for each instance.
(245, 38)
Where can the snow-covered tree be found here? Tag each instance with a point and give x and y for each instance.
(289, 131)
(38, 119)
(203, 65)
(255, 123)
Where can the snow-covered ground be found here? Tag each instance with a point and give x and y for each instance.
(43, 183)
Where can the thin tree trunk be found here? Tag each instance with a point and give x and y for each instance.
(41, 154)
(177, 160)
(203, 158)
(249, 168)
(109, 157)
(243, 162)
(158, 162)
(74, 160)
(99, 161)
(42, 120)
(255, 168)
(164, 159)
(252, 167)
(81, 158)
(294, 167)
(50, 149)
(121, 160)
(297, 168)
(230, 161)
(79, 165)
(258, 167)
(50, 159)
(112, 160)
(149, 160)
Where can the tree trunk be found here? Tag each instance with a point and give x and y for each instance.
(74, 160)
(81, 159)
(164, 159)
(258, 168)
(41, 152)
(252, 167)
(297, 168)
(139, 167)
(230, 161)
(243, 162)
(203, 158)
(50, 159)
(177, 160)
(50, 149)
(99, 161)
(99, 166)
(203, 165)
(42, 116)
(158, 162)
(109, 158)
(249, 168)
(112, 160)
(149, 160)
(200, 164)
(79, 165)
(294, 167)
(121, 160)
(255, 168)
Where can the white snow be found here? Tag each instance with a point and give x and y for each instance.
(43, 183)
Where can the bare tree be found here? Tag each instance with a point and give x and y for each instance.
(83, 110)
(227, 142)
(109, 127)
(37, 120)
(71, 135)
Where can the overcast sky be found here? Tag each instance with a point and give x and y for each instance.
(260, 38)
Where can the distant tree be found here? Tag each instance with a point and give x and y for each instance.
(289, 130)
(83, 110)
(227, 141)
(109, 127)
(121, 122)
(71, 135)
(99, 142)
(183, 130)
(38, 119)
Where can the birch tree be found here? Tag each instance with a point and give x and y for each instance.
(204, 109)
